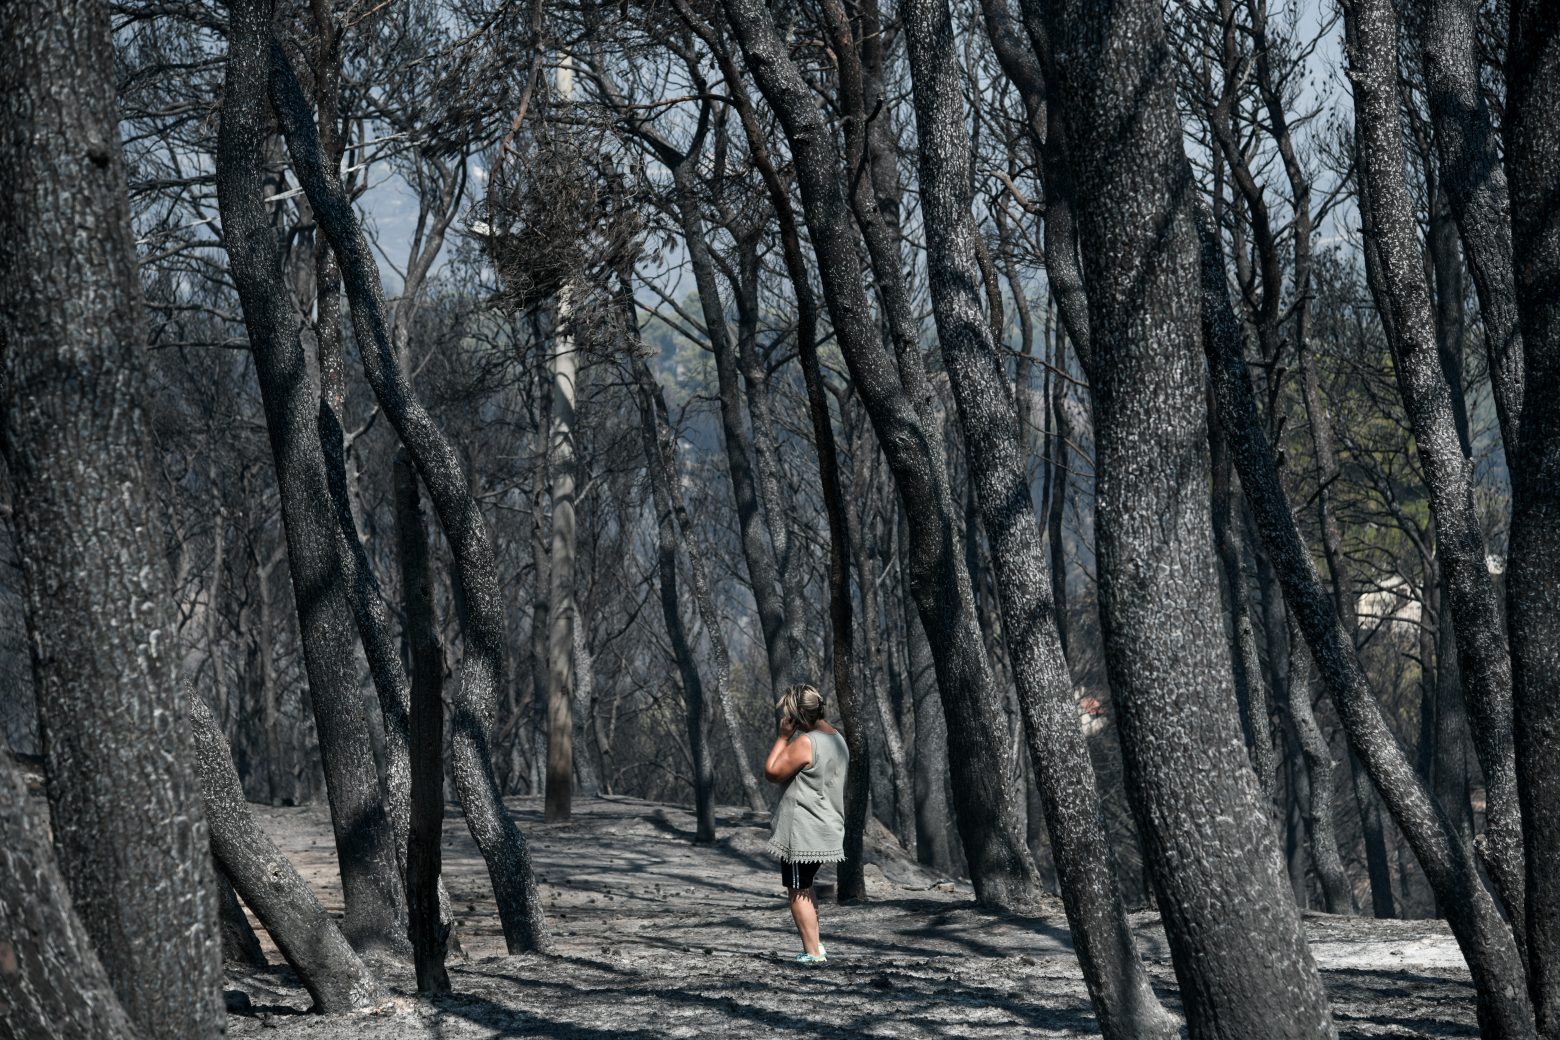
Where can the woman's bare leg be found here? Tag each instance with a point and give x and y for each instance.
(805, 912)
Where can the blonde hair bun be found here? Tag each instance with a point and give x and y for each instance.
(803, 703)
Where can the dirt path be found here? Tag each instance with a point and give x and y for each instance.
(659, 938)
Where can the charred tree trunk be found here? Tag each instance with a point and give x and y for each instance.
(54, 984)
(365, 838)
(843, 649)
(1475, 186)
(1124, 1002)
(1235, 934)
(425, 737)
(306, 935)
(1533, 163)
(1485, 939)
(240, 944)
(1251, 693)
(662, 488)
(440, 471)
(1398, 285)
(1337, 894)
(1000, 865)
(438, 466)
(758, 552)
(128, 827)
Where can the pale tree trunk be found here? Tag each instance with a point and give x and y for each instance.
(1532, 135)
(482, 615)
(1124, 1001)
(129, 829)
(564, 365)
(587, 751)
(365, 835)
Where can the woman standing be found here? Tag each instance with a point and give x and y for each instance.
(809, 758)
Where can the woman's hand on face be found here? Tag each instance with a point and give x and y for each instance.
(787, 726)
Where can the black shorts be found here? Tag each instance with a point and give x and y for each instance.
(796, 876)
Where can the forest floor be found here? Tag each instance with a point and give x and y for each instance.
(657, 937)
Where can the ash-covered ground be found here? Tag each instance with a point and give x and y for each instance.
(657, 937)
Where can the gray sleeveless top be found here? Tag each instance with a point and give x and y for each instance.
(809, 823)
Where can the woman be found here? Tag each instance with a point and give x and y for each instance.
(809, 758)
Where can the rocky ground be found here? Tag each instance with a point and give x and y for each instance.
(659, 938)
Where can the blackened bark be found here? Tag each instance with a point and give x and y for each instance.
(1251, 693)
(999, 861)
(1235, 936)
(1450, 777)
(425, 737)
(128, 828)
(369, 612)
(1124, 1002)
(1475, 185)
(1484, 937)
(305, 934)
(661, 491)
(240, 945)
(1319, 420)
(876, 671)
(843, 649)
(757, 550)
(365, 839)
(767, 464)
(1533, 578)
(1398, 285)
(1317, 808)
(438, 466)
(53, 984)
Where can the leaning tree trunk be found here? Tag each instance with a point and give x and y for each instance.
(1398, 285)
(305, 934)
(54, 985)
(128, 826)
(1484, 937)
(1124, 1001)
(482, 613)
(425, 738)
(1235, 936)
(988, 813)
(1533, 164)
(240, 944)
(365, 838)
